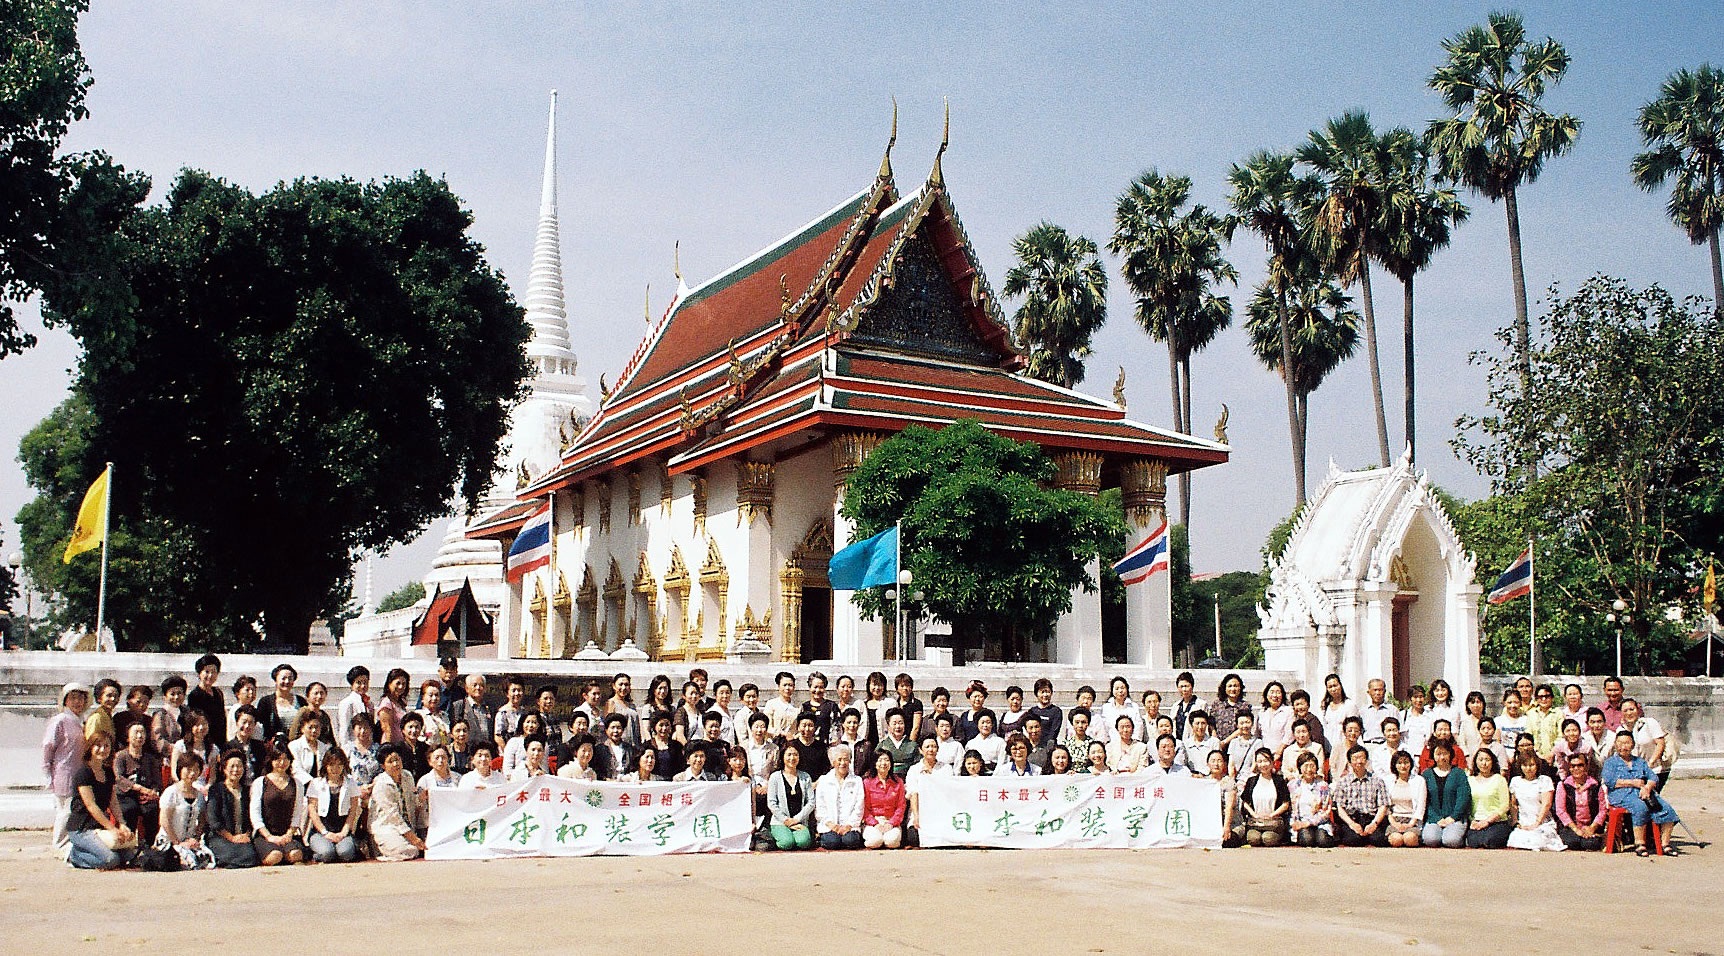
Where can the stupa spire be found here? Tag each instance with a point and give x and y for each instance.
(550, 348)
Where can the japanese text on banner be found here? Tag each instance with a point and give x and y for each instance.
(1127, 812)
(551, 816)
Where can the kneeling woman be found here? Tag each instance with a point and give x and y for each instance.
(100, 839)
(1265, 801)
(790, 803)
(227, 816)
(395, 810)
(883, 805)
(1490, 828)
(278, 813)
(333, 804)
(1633, 786)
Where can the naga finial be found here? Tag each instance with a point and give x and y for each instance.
(676, 260)
(1221, 425)
(938, 176)
(886, 160)
(1119, 389)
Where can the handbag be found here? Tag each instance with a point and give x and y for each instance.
(115, 843)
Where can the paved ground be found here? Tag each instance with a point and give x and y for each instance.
(924, 901)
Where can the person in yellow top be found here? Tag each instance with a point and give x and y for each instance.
(1544, 721)
(101, 718)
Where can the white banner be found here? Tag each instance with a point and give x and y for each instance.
(551, 816)
(1123, 812)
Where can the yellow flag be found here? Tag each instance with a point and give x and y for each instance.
(1709, 595)
(92, 519)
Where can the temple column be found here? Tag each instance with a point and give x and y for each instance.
(854, 640)
(505, 630)
(1149, 605)
(1077, 635)
(754, 494)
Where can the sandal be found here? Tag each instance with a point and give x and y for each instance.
(1672, 851)
(1641, 850)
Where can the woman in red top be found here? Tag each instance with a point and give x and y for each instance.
(1442, 735)
(883, 804)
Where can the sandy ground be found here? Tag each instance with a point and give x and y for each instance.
(922, 901)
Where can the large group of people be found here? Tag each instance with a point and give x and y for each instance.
(273, 777)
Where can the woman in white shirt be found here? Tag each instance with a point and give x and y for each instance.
(990, 745)
(1443, 706)
(332, 805)
(838, 804)
(1406, 801)
(1336, 708)
(1275, 723)
(1119, 704)
(580, 765)
(483, 776)
(439, 777)
(308, 749)
(1126, 754)
(1650, 743)
(533, 765)
(1531, 793)
(1017, 762)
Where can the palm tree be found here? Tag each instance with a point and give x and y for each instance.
(1199, 327)
(1266, 196)
(1500, 137)
(1351, 163)
(1325, 332)
(1064, 287)
(1416, 220)
(1684, 133)
(1172, 256)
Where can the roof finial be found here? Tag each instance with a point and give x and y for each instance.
(886, 160)
(937, 176)
(676, 260)
(649, 303)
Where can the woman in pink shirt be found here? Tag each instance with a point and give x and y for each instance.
(883, 804)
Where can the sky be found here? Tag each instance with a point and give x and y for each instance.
(725, 126)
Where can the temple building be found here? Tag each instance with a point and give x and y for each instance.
(1374, 582)
(556, 407)
(695, 513)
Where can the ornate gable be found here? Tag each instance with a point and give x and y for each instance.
(920, 311)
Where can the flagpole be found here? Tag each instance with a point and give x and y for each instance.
(551, 612)
(1535, 659)
(897, 584)
(102, 582)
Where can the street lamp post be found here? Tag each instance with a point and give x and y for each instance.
(904, 579)
(1618, 618)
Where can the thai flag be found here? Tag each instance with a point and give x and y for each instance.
(1515, 581)
(532, 547)
(1146, 558)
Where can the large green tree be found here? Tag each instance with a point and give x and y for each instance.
(1417, 217)
(1064, 288)
(43, 79)
(291, 377)
(994, 548)
(1351, 165)
(1266, 195)
(1624, 420)
(1171, 249)
(1684, 134)
(1500, 135)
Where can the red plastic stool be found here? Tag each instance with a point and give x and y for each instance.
(1613, 823)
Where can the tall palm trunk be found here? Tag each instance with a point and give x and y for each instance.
(1371, 353)
(1407, 360)
(1296, 434)
(1185, 398)
(1522, 329)
(1304, 407)
(1717, 272)
(1178, 416)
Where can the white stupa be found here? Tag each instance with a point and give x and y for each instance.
(538, 427)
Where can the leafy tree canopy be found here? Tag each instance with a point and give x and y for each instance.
(43, 79)
(1625, 418)
(406, 595)
(990, 544)
(290, 377)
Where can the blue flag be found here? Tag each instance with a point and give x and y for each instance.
(866, 563)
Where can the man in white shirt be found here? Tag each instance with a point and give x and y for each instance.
(1416, 722)
(1375, 711)
(1383, 753)
(1202, 743)
(1166, 762)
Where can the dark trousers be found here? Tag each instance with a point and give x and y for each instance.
(848, 841)
(1493, 837)
(1352, 837)
(1574, 841)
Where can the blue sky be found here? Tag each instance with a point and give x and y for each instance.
(725, 126)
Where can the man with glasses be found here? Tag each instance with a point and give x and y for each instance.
(1544, 721)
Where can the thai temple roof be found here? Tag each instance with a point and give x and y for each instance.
(874, 315)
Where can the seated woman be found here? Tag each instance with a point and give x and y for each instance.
(278, 813)
(332, 809)
(1059, 761)
(1407, 795)
(838, 804)
(100, 839)
(1302, 744)
(1442, 738)
(197, 741)
(394, 809)
(1124, 754)
(534, 762)
(1531, 790)
(645, 769)
(696, 770)
(1448, 800)
(181, 817)
(883, 805)
(1017, 762)
(441, 776)
(1632, 785)
(580, 765)
(227, 816)
(1232, 821)
(307, 747)
(1309, 823)
(515, 751)
(790, 803)
(972, 765)
(1528, 744)
(1490, 828)
(138, 781)
(1264, 801)
(483, 776)
(363, 752)
(1580, 805)
(1097, 758)
(1573, 741)
(990, 745)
